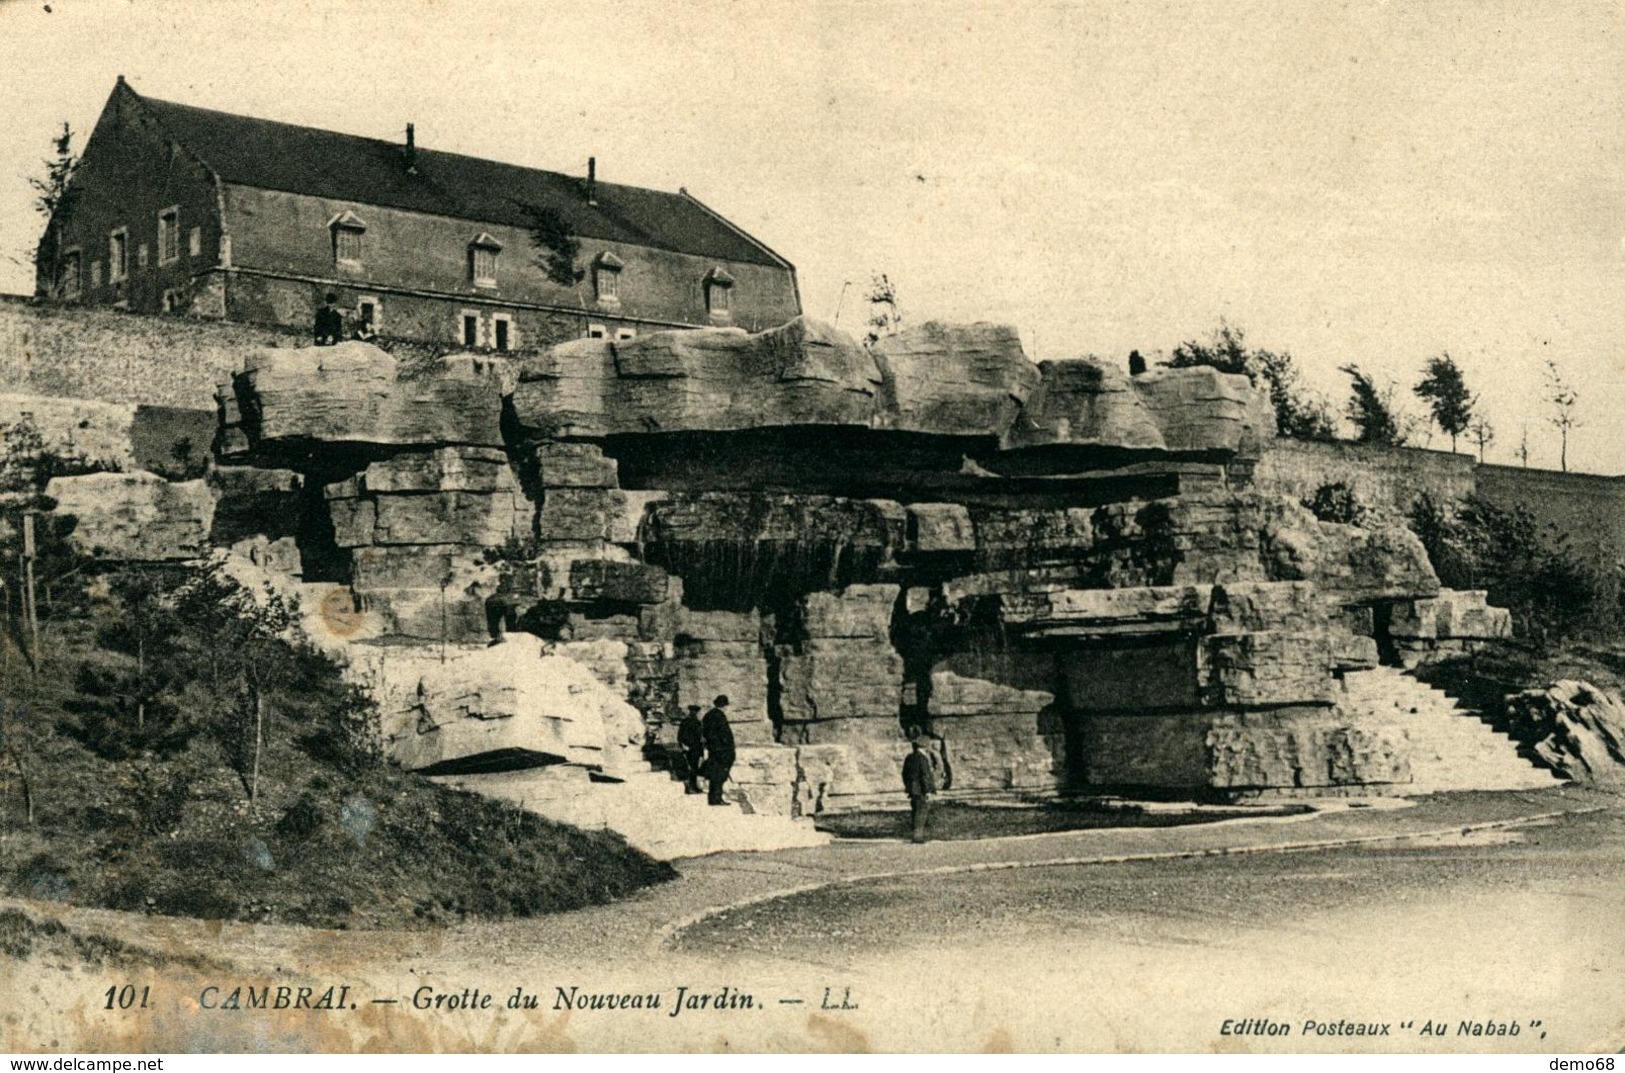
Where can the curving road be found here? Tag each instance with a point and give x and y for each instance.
(1462, 908)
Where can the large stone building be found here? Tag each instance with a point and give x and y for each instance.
(185, 210)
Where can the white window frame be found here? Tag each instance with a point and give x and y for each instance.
(143, 256)
(606, 278)
(347, 223)
(73, 255)
(462, 328)
(194, 242)
(483, 243)
(118, 267)
(719, 293)
(623, 334)
(95, 275)
(172, 300)
(505, 319)
(377, 310)
(169, 235)
(596, 331)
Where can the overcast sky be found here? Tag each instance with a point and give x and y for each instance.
(1369, 182)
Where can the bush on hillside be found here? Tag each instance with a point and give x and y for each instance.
(183, 755)
(1530, 569)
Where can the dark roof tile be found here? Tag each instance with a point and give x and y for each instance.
(368, 171)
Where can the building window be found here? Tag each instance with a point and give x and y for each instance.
(484, 266)
(470, 329)
(606, 277)
(173, 302)
(502, 332)
(482, 260)
(347, 245)
(141, 255)
(347, 230)
(118, 255)
(370, 312)
(194, 242)
(69, 280)
(597, 331)
(95, 274)
(626, 333)
(169, 236)
(719, 287)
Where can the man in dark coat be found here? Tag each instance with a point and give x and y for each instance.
(719, 747)
(920, 780)
(329, 322)
(691, 739)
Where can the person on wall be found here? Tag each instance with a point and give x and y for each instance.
(329, 322)
(719, 748)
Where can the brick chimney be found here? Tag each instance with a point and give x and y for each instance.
(411, 150)
(592, 180)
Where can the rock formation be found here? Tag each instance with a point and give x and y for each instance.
(1059, 572)
(135, 517)
(1577, 729)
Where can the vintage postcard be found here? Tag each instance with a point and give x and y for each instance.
(902, 526)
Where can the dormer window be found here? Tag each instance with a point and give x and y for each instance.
(606, 277)
(347, 230)
(482, 260)
(719, 287)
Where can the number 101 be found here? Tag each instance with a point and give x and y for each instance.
(126, 997)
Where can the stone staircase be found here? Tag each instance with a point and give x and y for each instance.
(647, 806)
(1451, 747)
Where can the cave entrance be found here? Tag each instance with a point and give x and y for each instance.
(320, 557)
(1121, 679)
(1382, 631)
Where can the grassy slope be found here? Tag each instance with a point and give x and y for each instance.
(372, 846)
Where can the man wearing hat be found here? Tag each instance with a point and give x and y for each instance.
(691, 739)
(719, 747)
(329, 322)
(920, 781)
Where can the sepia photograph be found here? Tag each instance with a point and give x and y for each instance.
(911, 526)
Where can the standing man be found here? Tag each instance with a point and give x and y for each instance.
(329, 322)
(691, 739)
(920, 780)
(719, 744)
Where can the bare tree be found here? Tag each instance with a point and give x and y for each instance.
(1482, 433)
(1564, 401)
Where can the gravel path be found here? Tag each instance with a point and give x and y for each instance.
(736, 921)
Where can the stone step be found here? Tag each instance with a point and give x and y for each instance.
(1452, 747)
(649, 808)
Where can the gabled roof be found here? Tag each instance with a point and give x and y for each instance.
(368, 171)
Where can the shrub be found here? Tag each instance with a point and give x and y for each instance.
(1337, 503)
(301, 820)
(1527, 568)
